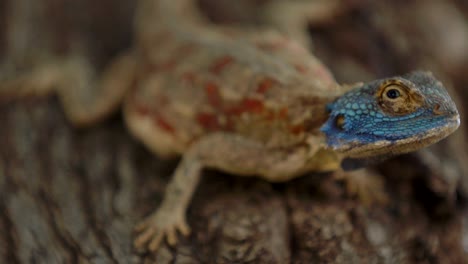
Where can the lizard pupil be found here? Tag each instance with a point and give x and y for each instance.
(393, 93)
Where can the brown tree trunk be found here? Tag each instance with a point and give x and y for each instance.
(73, 196)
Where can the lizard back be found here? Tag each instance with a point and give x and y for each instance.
(198, 78)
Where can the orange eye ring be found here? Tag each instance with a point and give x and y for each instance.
(394, 91)
(395, 97)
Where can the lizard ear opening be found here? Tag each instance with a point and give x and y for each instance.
(340, 121)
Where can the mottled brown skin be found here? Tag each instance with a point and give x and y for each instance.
(248, 103)
(272, 95)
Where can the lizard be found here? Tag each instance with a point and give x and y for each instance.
(245, 102)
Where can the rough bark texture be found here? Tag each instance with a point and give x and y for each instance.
(72, 196)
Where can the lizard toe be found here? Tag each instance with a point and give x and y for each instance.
(171, 236)
(156, 241)
(183, 228)
(144, 237)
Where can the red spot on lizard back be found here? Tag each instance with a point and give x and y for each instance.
(220, 64)
(212, 94)
(253, 105)
(248, 105)
(296, 129)
(208, 121)
(283, 113)
(271, 114)
(163, 124)
(265, 85)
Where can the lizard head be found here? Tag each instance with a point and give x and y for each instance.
(390, 116)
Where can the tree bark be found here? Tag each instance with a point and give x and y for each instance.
(72, 195)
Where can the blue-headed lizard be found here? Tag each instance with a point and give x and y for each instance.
(244, 102)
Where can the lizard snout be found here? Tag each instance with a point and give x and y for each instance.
(445, 110)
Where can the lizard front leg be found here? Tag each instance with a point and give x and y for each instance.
(85, 98)
(226, 152)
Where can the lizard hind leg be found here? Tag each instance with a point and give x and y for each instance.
(85, 98)
(293, 17)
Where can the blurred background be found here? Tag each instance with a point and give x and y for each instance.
(70, 195)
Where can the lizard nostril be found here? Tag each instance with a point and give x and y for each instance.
(436, 110)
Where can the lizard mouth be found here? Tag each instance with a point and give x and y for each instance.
(385, 147)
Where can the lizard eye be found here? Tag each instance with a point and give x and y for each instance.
(396, 98)
(393, 93)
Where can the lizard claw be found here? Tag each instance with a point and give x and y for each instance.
(183, 228)
(162, 224)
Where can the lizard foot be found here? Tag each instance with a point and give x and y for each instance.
(365, 185)
(159, 225)
(38, 82)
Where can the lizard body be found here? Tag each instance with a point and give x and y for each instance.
(249, 103)
(233, 83)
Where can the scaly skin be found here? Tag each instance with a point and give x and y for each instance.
(248, 103)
